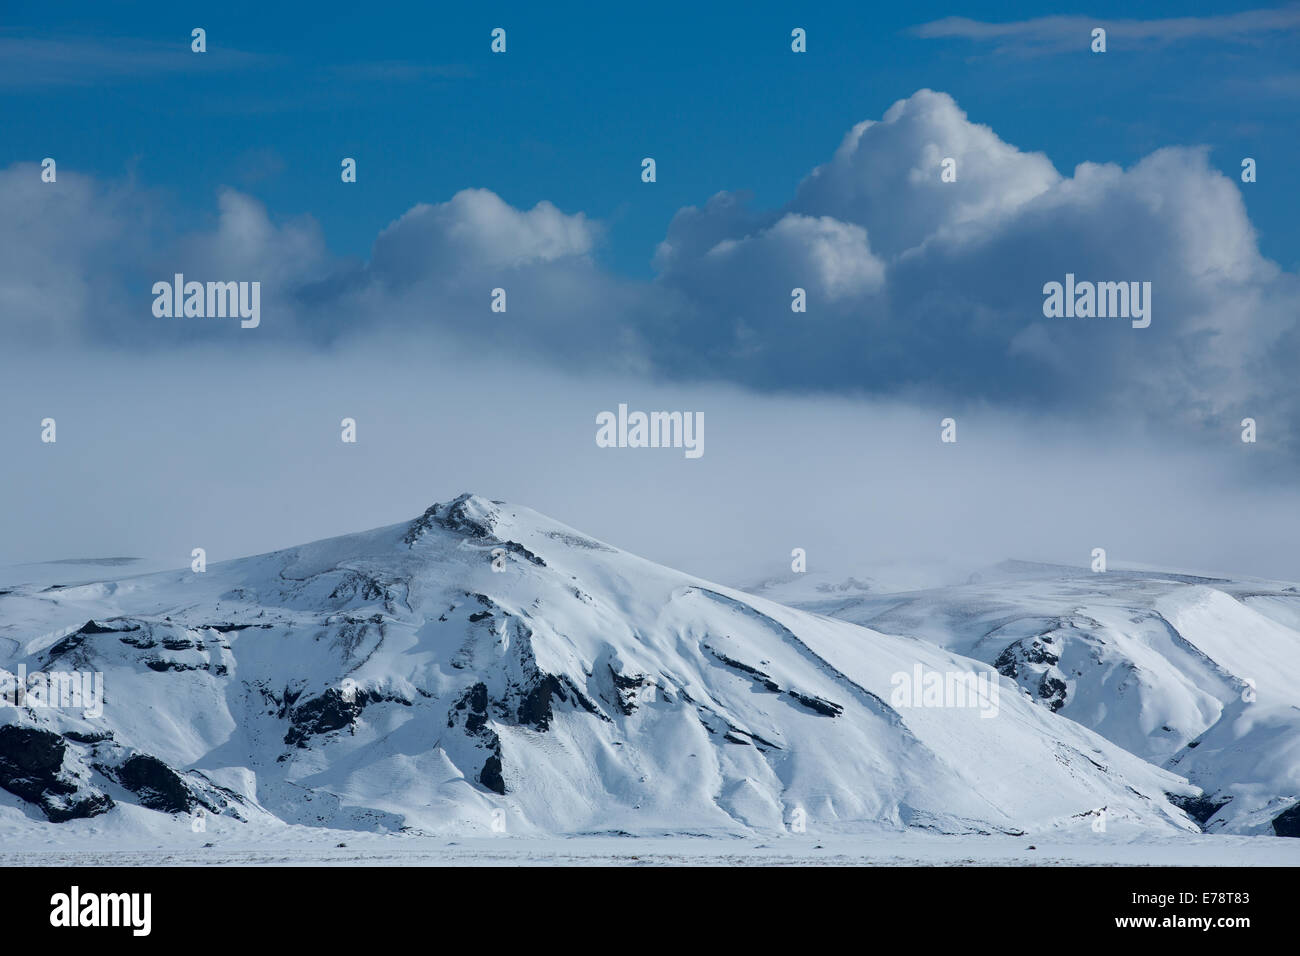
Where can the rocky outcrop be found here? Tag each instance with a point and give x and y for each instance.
(32, 767)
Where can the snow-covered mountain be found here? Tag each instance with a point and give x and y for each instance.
(1198, 675)
(483, 667)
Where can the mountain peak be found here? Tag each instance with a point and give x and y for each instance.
(574, 688)
(468, 514)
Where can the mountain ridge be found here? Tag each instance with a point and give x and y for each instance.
(482, 666)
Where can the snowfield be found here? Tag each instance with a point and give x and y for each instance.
(485, 685)
(1195, 674)
(316, 847)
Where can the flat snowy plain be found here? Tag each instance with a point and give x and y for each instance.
(138, 841)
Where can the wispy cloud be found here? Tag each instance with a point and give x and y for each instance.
(35, 63)
(1057, 33)
(1281, 84)
(38, 62)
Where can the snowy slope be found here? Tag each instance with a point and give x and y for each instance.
(395, 679)
(1198, 675)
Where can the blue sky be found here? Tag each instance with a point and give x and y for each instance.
(522, 171)
(710, 90)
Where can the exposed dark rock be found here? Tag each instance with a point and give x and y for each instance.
(156, 784)
(474, 705)
(330, 711)
(65, 646)
(753, 672)
(91, 805)
(625, 682)
(90, 627)
(816, 704)
(31, 767)
(1036, 657)
(1031, 651)
(514, 547)
(824, 707)
(81, 738)
(161, 666)
(352, 632)
(475, 700)
(30, 761)
(490, 775)
(1287, 823)
(1199, 808)
(535, 708)
(738, 736)
(1053, 691)
(455, 516)
(358, 585)
(627, 690)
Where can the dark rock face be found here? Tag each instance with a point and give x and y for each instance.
(816, 704)
(1052, 691)
(753, 672)
(530, 705)
(92, 805)
(330, 711)
(627, 690)
(535, 708)
(514, 547)
(1032, 651)
(490, 775)
(455, 517)
(162, 666)
(1287, 823)
(31, 767)
(156, 784)
(83, 738)
(30, 761)
(475, 701)
(824, 707)
(353, 587)
(90, 627)
(473, 704)
(65, 646)
(1033, 657)
(1200, 808)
